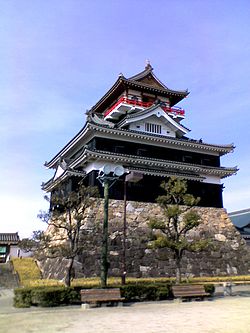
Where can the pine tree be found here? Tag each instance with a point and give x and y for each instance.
(179, 219)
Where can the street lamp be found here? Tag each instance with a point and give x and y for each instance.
(107, 176)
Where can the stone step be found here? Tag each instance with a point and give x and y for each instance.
(8, 279)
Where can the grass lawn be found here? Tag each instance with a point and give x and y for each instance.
(30, 276)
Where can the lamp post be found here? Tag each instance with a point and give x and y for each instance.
(107, 177)
(124, 269)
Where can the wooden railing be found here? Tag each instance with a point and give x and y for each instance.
(130, 101)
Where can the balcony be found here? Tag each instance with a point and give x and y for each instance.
(178, 112)
(125, 104)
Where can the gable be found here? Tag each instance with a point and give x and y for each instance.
(156, 121)
(150, 80)
(153, 125)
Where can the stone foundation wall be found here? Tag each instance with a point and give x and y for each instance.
(229, 254)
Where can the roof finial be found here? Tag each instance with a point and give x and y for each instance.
(147, 64)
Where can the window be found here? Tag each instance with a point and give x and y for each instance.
(153, 128)
(119, 149)
(187, 159)
(141, 152)
(3, 249)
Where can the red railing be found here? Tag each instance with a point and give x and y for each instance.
(178, 112)
(126, 100)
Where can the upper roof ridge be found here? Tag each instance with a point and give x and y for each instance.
(148, 72)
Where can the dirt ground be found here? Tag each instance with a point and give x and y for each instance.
(220, 315)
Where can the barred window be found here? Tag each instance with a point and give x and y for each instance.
(153, 128)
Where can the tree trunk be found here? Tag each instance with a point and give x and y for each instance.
(104, 253)
(68, 274)
(178, 269)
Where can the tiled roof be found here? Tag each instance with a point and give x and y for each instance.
(135, 160)
(182, 143)
(9, 238)
(240, 218)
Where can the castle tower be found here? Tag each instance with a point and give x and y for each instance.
(137, 124)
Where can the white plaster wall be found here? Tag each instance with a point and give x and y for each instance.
(211, 179)
(165, 130)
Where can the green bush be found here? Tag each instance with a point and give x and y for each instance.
(164, 292)
(46, 297)
(56, 296)
(145, 292)
(22, 297)
(209, 288)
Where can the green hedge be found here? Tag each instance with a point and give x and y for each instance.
(209, 288)
(46, 296)
(146, 292)
(56, 296)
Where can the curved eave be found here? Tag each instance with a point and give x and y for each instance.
(120, 85)
(160, 173)
(194, 144)
(164, 91)
(53, 162)
(51, 184)
(114, 92)
(160, 139)
(167, 165)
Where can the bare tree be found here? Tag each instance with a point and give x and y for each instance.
(65, 219)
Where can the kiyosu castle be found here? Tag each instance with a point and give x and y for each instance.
(137, 124)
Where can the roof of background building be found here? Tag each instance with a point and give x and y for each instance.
(240, 218)
(9, 238)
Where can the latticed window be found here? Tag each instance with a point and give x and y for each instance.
(153, 128)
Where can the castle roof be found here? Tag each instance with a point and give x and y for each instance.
(145, 81)
(95, 128)
(154, 166)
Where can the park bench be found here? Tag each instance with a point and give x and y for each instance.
(189, 291)
(97, 297)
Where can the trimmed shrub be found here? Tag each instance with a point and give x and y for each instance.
(209, 288)
(22, 297)
(145, 292)
(56, 296)
(47, 297)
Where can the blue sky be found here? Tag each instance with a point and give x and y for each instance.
(57, 58)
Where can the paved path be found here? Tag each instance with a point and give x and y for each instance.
(221, 315)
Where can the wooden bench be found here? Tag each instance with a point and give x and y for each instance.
(97, 297)
(189, 291)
